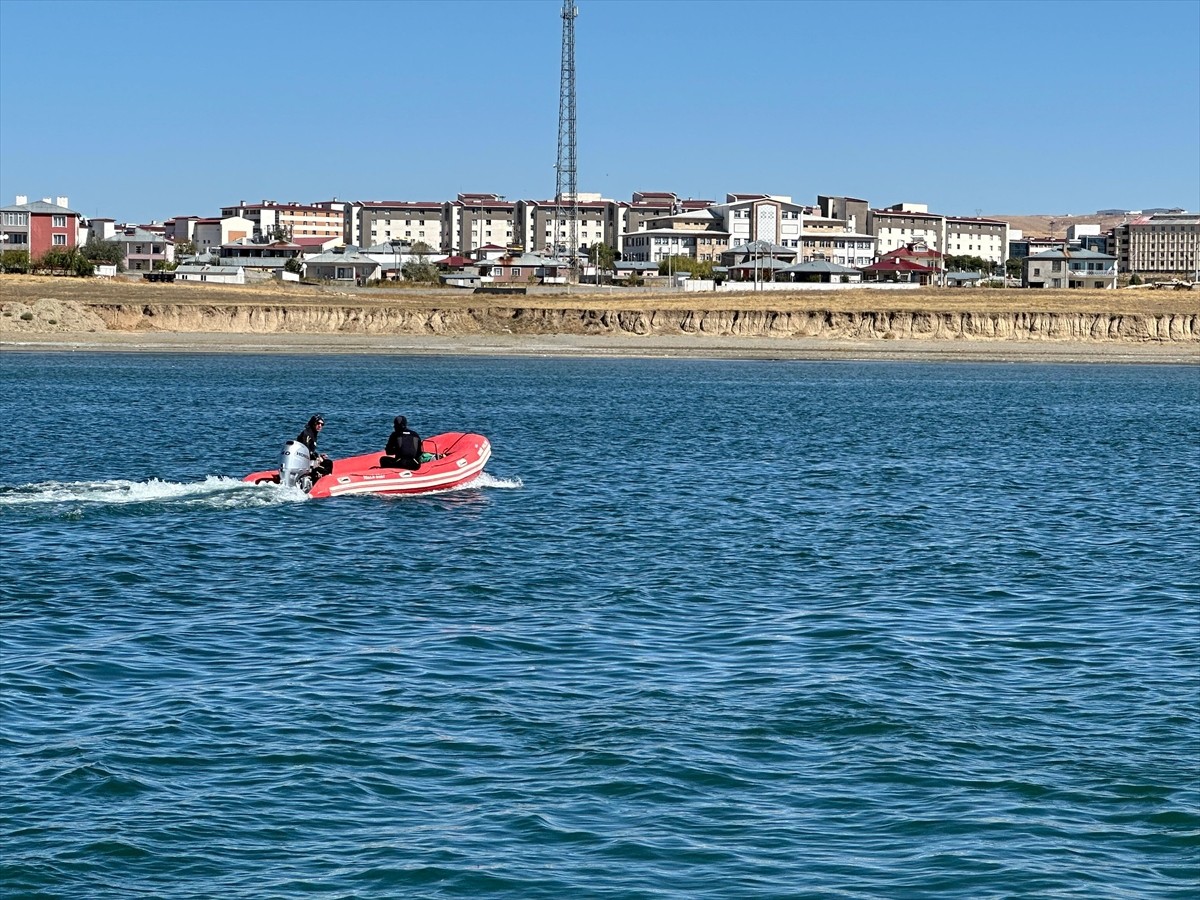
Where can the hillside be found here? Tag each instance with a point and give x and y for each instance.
(1056, 226)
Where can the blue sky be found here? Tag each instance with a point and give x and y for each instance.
(146, 110)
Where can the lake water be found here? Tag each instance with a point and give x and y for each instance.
(704, 629)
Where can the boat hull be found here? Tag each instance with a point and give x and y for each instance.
(461, 458)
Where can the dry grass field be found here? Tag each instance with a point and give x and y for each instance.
(94, 292)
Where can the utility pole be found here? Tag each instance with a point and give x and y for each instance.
(566, 189)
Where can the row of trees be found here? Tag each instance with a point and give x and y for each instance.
(80, 261)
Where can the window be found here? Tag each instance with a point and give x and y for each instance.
(1056, 265)
(59, 222)
(60, 240)
(516, 271)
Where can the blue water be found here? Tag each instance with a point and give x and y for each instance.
(704, 629)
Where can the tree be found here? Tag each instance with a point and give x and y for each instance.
(14, 261)
(419, 271)
(602, 257)
(420, 248)
(108, 253)
(966, 264)
(278, 234)
(292, 265)
(697, 268)
(1014, 267)
(185, 248)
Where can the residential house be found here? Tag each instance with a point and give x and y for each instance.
(1067, 268)
(143, 250)
(311, 246)
(819, 271)
(524, 268)
(899, 270)
(392, 257)
(39, 226)
(758, 250)
(625, 270)
(344, 264)
(918, 252)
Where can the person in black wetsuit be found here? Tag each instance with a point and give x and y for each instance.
(403, 449)
(321, 464)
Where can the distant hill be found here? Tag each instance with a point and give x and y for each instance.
(1056, 226)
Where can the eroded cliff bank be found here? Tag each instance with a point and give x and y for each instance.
(49, 316)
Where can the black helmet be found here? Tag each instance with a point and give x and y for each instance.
(314, 420)
(400, 422)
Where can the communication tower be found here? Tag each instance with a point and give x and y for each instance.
(566, 190)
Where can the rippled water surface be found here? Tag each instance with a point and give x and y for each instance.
(704, 629)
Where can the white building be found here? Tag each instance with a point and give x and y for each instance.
(211, 274)
(211, 234)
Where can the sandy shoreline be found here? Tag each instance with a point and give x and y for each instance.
(647, 346)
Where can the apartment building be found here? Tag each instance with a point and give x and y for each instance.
(905, 223)
(1167, 244)
(372, 222)
(910, 223)
(474, 220)
(289, 219)
(599, 223)
(985, 238)
(38, 226)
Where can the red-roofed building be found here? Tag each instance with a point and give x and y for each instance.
(899, 270)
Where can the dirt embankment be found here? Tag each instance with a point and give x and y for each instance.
(48, 306)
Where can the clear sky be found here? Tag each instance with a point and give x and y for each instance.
(142, 111)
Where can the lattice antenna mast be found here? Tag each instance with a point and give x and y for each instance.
(566, 189)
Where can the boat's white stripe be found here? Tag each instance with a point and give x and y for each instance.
(414, 483)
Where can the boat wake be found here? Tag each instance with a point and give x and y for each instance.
(213, 492)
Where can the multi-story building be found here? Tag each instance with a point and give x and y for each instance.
(272, 219)
(905, 223)
(853, 211)
(1160, 244)
(210, 234)
(1067, 268)
(741, 219)
(38, 226)
(599, 223)
(473, 220)
(372, 222)
(143, 250)
(985, 238)
(910, 223)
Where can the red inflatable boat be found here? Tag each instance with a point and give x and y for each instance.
(458, 458)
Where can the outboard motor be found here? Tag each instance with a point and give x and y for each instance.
(294, 465)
